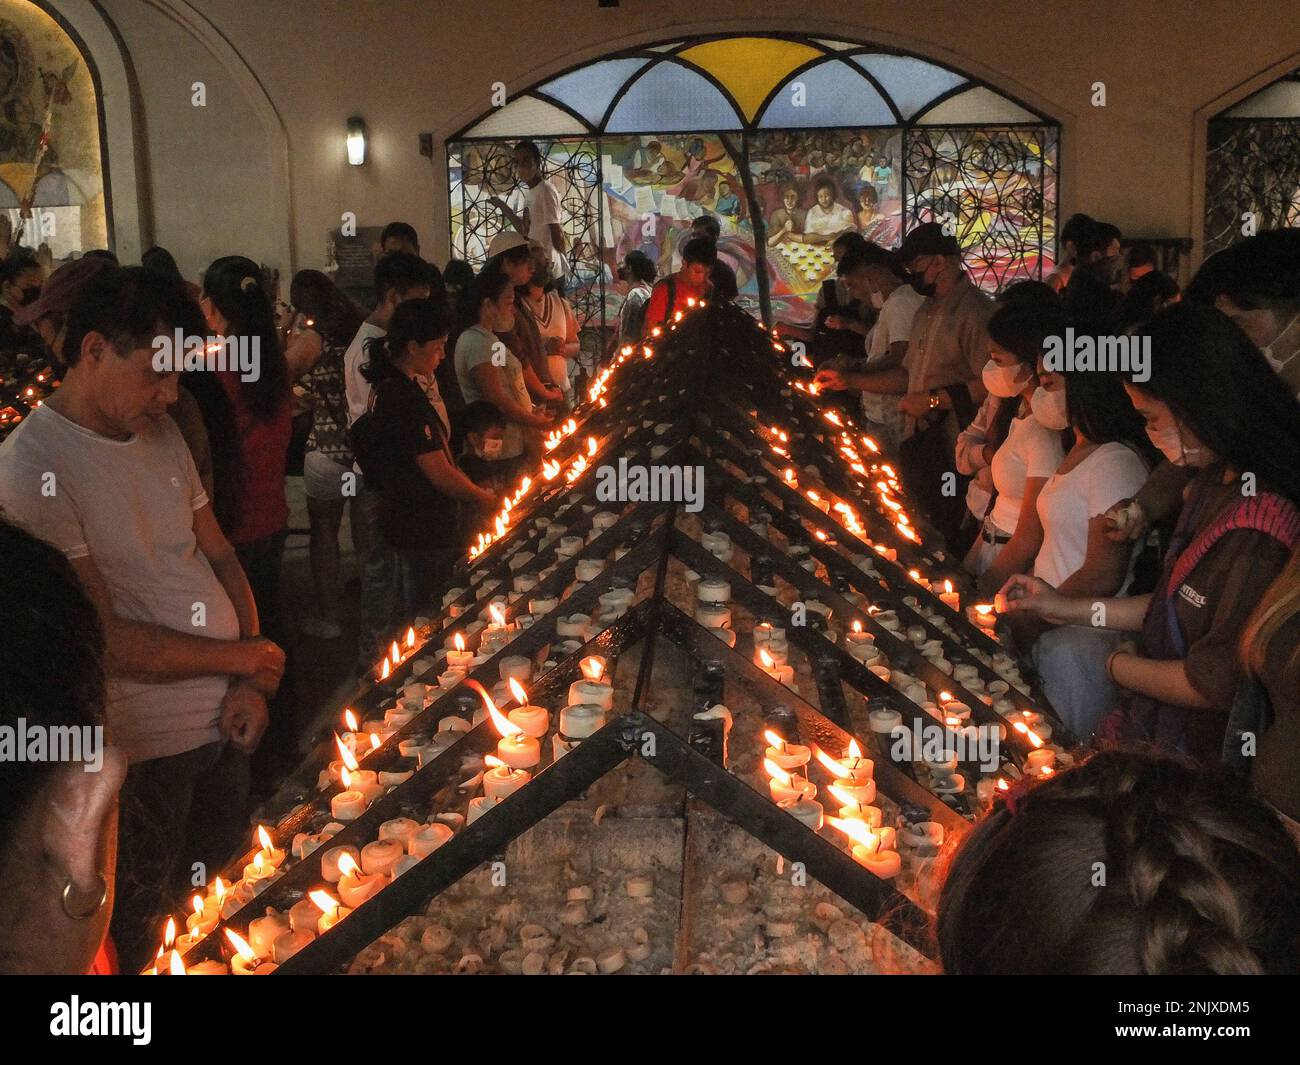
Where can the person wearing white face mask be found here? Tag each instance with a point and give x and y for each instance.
(1019, 453)
(1211, 403)
(871, 276)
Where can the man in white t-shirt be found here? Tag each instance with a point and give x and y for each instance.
(869, 277)
(826, 219)
(541, 221)
(399, 277)
(103, 474)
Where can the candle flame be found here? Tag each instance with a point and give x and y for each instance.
(843, 797)
(854, 750)
(836, 769)
(177, 966)
(348, 865)
(410, 636)
(1003, 785)
(591, 445)
(518, 691)
(263, 836)
(241, 945)
(350, 719)
(197, 903)
(258, 861)
(492, 761)
(504, 726)
(219, 889)
(857, 626)
(498, 615)
(774, 770)
(324, 901)
(858, 831)
(768, 660)
(947, 587)
(395, 653)
(984, 609)
(385, 671)
(375, 741)
(459, 641)
(1046, 771)
(774, 739)
(592, 667)
(345, 777)
(349, 759)
(945, 697)
(169, 934)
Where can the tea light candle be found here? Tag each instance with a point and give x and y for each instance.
(713, 590)
(574, 626)
(263, 931)
(884, 720)
(330, 863)
(517, 666)
(596, 692)
(984, 615)
(288, 944)
(1042, 759)
(713, 615)
(478, 807)
(380, 856)
(207, 968)
(589, 569)
(501, 781)
(540, 607)
(534, 720)
(356, 887)
(519, 751)
(788, 756)
(304, 914)
(950, 598)
(428, 838)
(783, 785)
(718, 544)
(924, 836)
(725, 635)
(259, 868)
(809, 811)
(581, 720)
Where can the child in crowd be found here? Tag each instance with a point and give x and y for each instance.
(480, 460)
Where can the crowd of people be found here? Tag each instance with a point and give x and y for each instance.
(1140, 522)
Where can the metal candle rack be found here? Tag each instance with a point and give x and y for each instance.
(695, 383)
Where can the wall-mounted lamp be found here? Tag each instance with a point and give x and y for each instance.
(356, 141)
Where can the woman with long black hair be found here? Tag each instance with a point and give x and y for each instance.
(404, 451)
(1213, 403)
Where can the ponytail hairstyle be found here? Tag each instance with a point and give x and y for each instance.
(413, 321)
(235, 286)
(1128, 864)
(488, 286)
(335, 314)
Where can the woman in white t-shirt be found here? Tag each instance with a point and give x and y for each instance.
(1020, 452)
(1107, 463)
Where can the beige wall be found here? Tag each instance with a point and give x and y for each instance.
(261, 170)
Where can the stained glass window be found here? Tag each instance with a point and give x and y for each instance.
(910, 82)
(672, 98)
(590, 89)
(829, 94)
(527, 116)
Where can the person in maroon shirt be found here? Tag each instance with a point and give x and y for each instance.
(239, 310)
(674, 292)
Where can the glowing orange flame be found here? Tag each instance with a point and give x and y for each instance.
(858, 831)
(518, 691)
(591, 445)
(386, 670)
(592, 667)
(459, 642)
(219, 889)
(169, 934)
(350, 719)
(1003, 785)
(504, 726)
(325, 902)
(348, 865)
(197, 903)
(410, 637)
(843, 797)
(1029, 733)
(241, 945)
(492, 761)
(774, 739)
(259, 863)
(345, 778)
(498, 615)
(947, 587)
(768, 660)
(857, 626)
(349, 759)
(177, 966)
(836, 769)
(854, 750)
(774, 770)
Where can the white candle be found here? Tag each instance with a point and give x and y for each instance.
(885, 721)
(348, 805)
(380, 856)
(516, 666)
(589, 569)
(788, 756)
(534, 720)
(885, 864)
(519, 751)
(597, 692)
(289, 943)
(1040, 760)
(427, 838)
(575, 625)
(330, 869)
(713, 590)
(304, 914)
(713, 615)
(579, 721)
(399, 829)
(501, 781)
(478, 807)
(809, 811)
(540, 607)
(355, 887)
(262, 932)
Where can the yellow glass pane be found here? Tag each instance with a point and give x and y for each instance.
(749, 67)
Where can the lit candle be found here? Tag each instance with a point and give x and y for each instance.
(347, 805)
(949, 597)
(1040, 762)
(851, 766)
(331, 913)
(533, 721)
(985, 616)
(787, 755)
(246, 961)
(867, 851)
(855, 801)
(331, 862)
(515, 748)
(304, 914)
(593, 688)
(501, 780)
(783, 785)
(355, 887)
(270, 855)
(259, 868)
(204, 918)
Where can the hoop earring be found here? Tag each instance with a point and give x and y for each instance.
(103, 897)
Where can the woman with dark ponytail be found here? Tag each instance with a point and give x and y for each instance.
(1126, 865)
(238, 309)
(404, 451)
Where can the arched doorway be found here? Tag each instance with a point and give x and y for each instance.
(51, 152)
(752, 129)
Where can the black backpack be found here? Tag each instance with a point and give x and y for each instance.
(366, 438)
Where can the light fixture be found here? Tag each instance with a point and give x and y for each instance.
(356, 141)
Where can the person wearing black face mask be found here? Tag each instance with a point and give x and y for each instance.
(21, 278)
